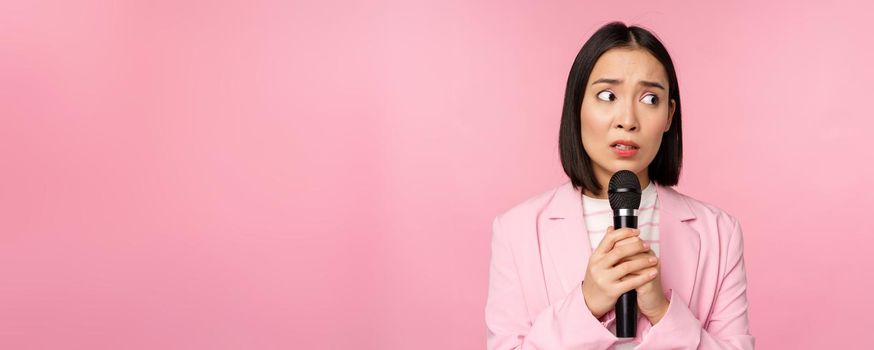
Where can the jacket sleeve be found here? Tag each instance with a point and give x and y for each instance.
(728, 325)
(565, 324)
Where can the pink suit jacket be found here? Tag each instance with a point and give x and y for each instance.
(540, 250)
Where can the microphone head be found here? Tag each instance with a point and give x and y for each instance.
(624, 190)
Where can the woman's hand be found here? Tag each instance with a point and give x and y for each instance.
(651, 300)
(614, 270)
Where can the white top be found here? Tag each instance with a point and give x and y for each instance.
(598, 216)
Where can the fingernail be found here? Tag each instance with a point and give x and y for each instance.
(652, 274)
(646, 245)
(652, 259)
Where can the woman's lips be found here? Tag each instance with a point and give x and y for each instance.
(625, 151)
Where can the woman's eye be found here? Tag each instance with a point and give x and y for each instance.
(606, 95)
(650, 99)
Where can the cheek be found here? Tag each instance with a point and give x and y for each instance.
(653, 139)
(592, 120)
(654, 143)
(592, 128)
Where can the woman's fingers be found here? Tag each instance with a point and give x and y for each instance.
(634, 281)
(620, 252)
(612, 236)
(633, 265)
(618, 246)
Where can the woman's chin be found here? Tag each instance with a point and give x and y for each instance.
(625, 164)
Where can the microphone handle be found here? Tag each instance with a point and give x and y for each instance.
(626, 305)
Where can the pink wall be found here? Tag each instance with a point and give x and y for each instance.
(193, 175)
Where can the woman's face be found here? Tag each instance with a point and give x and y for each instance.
(626, 99)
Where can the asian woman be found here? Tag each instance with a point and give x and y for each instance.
(558, 266)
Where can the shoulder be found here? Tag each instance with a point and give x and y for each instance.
(523, 216)
(529, 208)
(701, 209)
(708, 218)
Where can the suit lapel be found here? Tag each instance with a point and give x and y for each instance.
(679, 243)
(566, 248)
(564, 239)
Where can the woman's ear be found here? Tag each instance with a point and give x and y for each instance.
(671, 115)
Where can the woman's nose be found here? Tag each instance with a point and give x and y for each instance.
(628, 126)
(627, 121)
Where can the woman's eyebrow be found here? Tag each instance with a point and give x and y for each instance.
(619, 81)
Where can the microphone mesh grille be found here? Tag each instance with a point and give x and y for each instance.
(624, 190)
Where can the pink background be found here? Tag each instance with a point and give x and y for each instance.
(259, 175)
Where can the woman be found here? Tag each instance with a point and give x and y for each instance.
(557, 267)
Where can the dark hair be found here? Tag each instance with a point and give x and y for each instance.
(665, 167)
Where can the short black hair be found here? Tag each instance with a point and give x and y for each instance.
(665, 167)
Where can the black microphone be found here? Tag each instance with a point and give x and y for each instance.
(624, 195)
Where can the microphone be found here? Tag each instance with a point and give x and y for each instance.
(624, 195)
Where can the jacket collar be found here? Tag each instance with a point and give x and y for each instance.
(566, 242)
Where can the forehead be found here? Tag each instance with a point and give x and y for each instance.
(629, 64)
